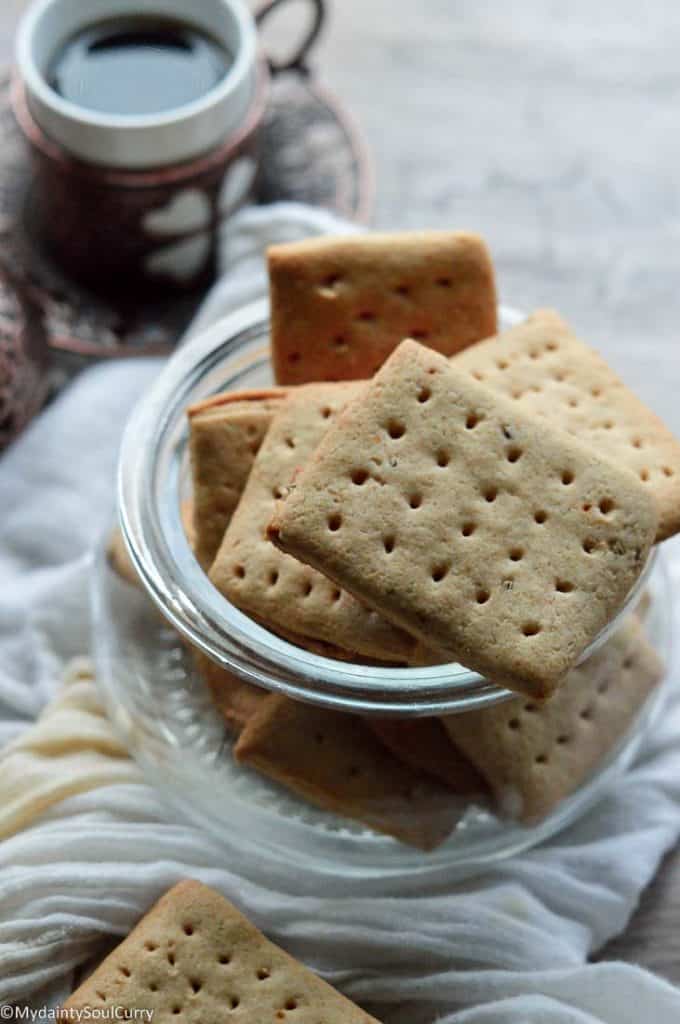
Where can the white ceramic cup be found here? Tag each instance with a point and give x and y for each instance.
(138, 142)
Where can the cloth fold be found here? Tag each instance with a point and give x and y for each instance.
(87, 845)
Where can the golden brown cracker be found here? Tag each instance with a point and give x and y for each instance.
(424, 745)
(460, 517)
(549, 371)
(276, 589)
(225, 434)
(534, 755)
(194, 957)
(340, 305)
(333, 760)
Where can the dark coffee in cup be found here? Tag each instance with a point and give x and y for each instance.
(142, 118)
(137, 65)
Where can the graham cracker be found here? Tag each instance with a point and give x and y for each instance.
(340, 305)
(225, 434)
(549, 371)
(461, 518)
(196, 958)
(424, 744)
(274, 588)
(333, 760)
(534, 755)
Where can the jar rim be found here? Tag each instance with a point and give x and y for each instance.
(153, 449)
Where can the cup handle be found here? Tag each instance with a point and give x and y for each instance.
(298, 60)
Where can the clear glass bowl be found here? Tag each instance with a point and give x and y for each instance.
(163, 708)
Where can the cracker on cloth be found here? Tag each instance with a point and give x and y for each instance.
(194, 957)
(534, 755)
(225, 434)
(274, 588)
(340, 305)
(462, 518)
(543, 365)
(423, 744)
(333, 760)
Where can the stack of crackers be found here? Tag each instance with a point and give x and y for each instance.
(419, 489)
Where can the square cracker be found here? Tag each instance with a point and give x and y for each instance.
(534, 755)
(225, 434)
(333, 760)
(543, 365)
(424, 744)
(195, 958)
(462, 518)
(276, 589)
(339, 306)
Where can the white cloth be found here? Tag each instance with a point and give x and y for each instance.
(509, 945)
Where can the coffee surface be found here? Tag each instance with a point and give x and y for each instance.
(137, 65)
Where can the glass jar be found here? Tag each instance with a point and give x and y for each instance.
(163, 708)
